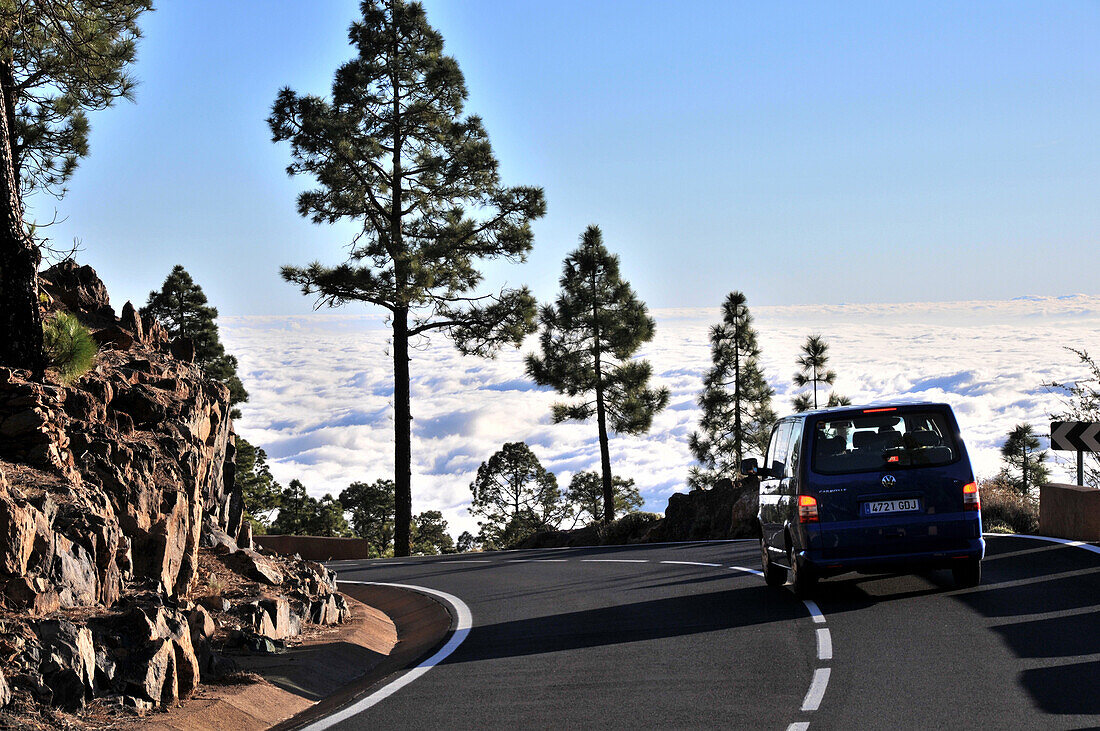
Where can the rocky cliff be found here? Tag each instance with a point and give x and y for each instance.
(111, 489)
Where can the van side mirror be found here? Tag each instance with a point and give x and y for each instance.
(750, 467)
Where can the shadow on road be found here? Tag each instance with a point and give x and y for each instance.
(630, 622)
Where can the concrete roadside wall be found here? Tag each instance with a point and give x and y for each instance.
(1069, 511)
(315, 548)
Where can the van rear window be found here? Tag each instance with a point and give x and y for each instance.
(862, 443)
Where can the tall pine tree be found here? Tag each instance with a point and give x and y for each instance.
(515, 495)
(182, 308)
(735, 401)
(1025, 463)
(813, 371)
(58, 59)
(588, 341)
(393, 151)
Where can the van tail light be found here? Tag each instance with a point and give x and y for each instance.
(971, 501)
(807, 509)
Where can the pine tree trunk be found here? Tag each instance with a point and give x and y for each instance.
(402, 432)
(737, 399)
(605, 457)
(20, 318)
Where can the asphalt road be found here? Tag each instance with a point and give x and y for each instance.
(645, 637)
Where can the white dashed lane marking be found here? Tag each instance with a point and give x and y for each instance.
(817, 690)
(614, 560)
(824, 645)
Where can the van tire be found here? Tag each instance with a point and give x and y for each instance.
(967, 573)
(803, 578)
(773, 575)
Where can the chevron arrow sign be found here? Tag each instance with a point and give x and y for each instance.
(1075, 436)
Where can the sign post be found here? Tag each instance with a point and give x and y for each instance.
(1076, 436)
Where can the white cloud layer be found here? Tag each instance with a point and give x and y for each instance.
(322, 390)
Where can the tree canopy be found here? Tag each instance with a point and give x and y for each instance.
(371, 507)
(1025, 463)
(588, 339)
(585, 497)
(429, 534)
(813, 371)
(735, 400)
(58, 60)
(182, 308)
(514, 496)
(259, 490)
(303, 515)
(393, 150)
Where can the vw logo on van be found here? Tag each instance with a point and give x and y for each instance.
(889, 481)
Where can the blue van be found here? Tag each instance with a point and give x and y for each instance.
(874, 489)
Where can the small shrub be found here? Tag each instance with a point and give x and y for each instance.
(627, 528)
(69, 346)
(1005, 510)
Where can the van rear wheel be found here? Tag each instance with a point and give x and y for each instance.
(803, 578)
(773, 575)
(967, 572)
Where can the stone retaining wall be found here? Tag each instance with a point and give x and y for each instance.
(315, 548)
(1069, 511)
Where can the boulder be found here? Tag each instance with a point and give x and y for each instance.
(80, 290)
(33, 596)
(216, 539)
(153, 674)
(5, 690)
(67, 661)
(201, 624)
(273, 619)
(244, 535)
(256, 567)
(131, 320)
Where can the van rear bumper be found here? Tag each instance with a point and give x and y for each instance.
(885, 545)
(822, 566)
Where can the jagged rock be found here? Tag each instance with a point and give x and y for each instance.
(68, 661)
(201, 624)
(332, 609)
(5, 690)
(154, 676)
(73, 573)
(131, 320)
(216, 539)
(106, 669)
(115, 337)
(216, 603)
(272, 618)
(34, 596)
(256, 567)
(168, 543)
(17, 530)
(80, 290)
(244, 536)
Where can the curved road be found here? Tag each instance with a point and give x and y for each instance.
(671, 636)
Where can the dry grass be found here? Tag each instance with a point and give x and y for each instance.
(1004, 510)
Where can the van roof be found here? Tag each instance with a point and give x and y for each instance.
(875, 405)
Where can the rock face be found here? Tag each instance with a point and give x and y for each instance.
(727, 510)
(108, 488)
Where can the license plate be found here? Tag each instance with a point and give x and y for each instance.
(878, 507)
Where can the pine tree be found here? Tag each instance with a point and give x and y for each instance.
(260, 491)
(466, 542)
(371, 509)
(393, 152)
(1025, 464)
(515, 496)
(303, 515)
(58, 59)
(429, 534)
(813, 370)
(735, 401)
(588, 340)
(181, 307)
(585, 497)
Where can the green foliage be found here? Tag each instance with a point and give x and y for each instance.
(69, 346)
(1025, 464)
(393, 151)
(466, 542)
(813, 371)
(585, 497)
(182, 308)
(515, 496)
(735, 401)
(630, 527)
(302, 515)
(1006, 510)
(67, 57)
(429, 534)
(260, 491)
(588, 339)
(1081, 402)
(371, 506)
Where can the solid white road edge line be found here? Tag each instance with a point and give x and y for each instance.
(742, 569)
(692, 563)
(815, 612)
(1063, 541)
(463, 622)
(817, 690)
(824, 645)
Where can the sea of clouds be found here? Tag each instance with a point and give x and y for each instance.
(321, 389)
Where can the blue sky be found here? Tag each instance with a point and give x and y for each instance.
(802, 152)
